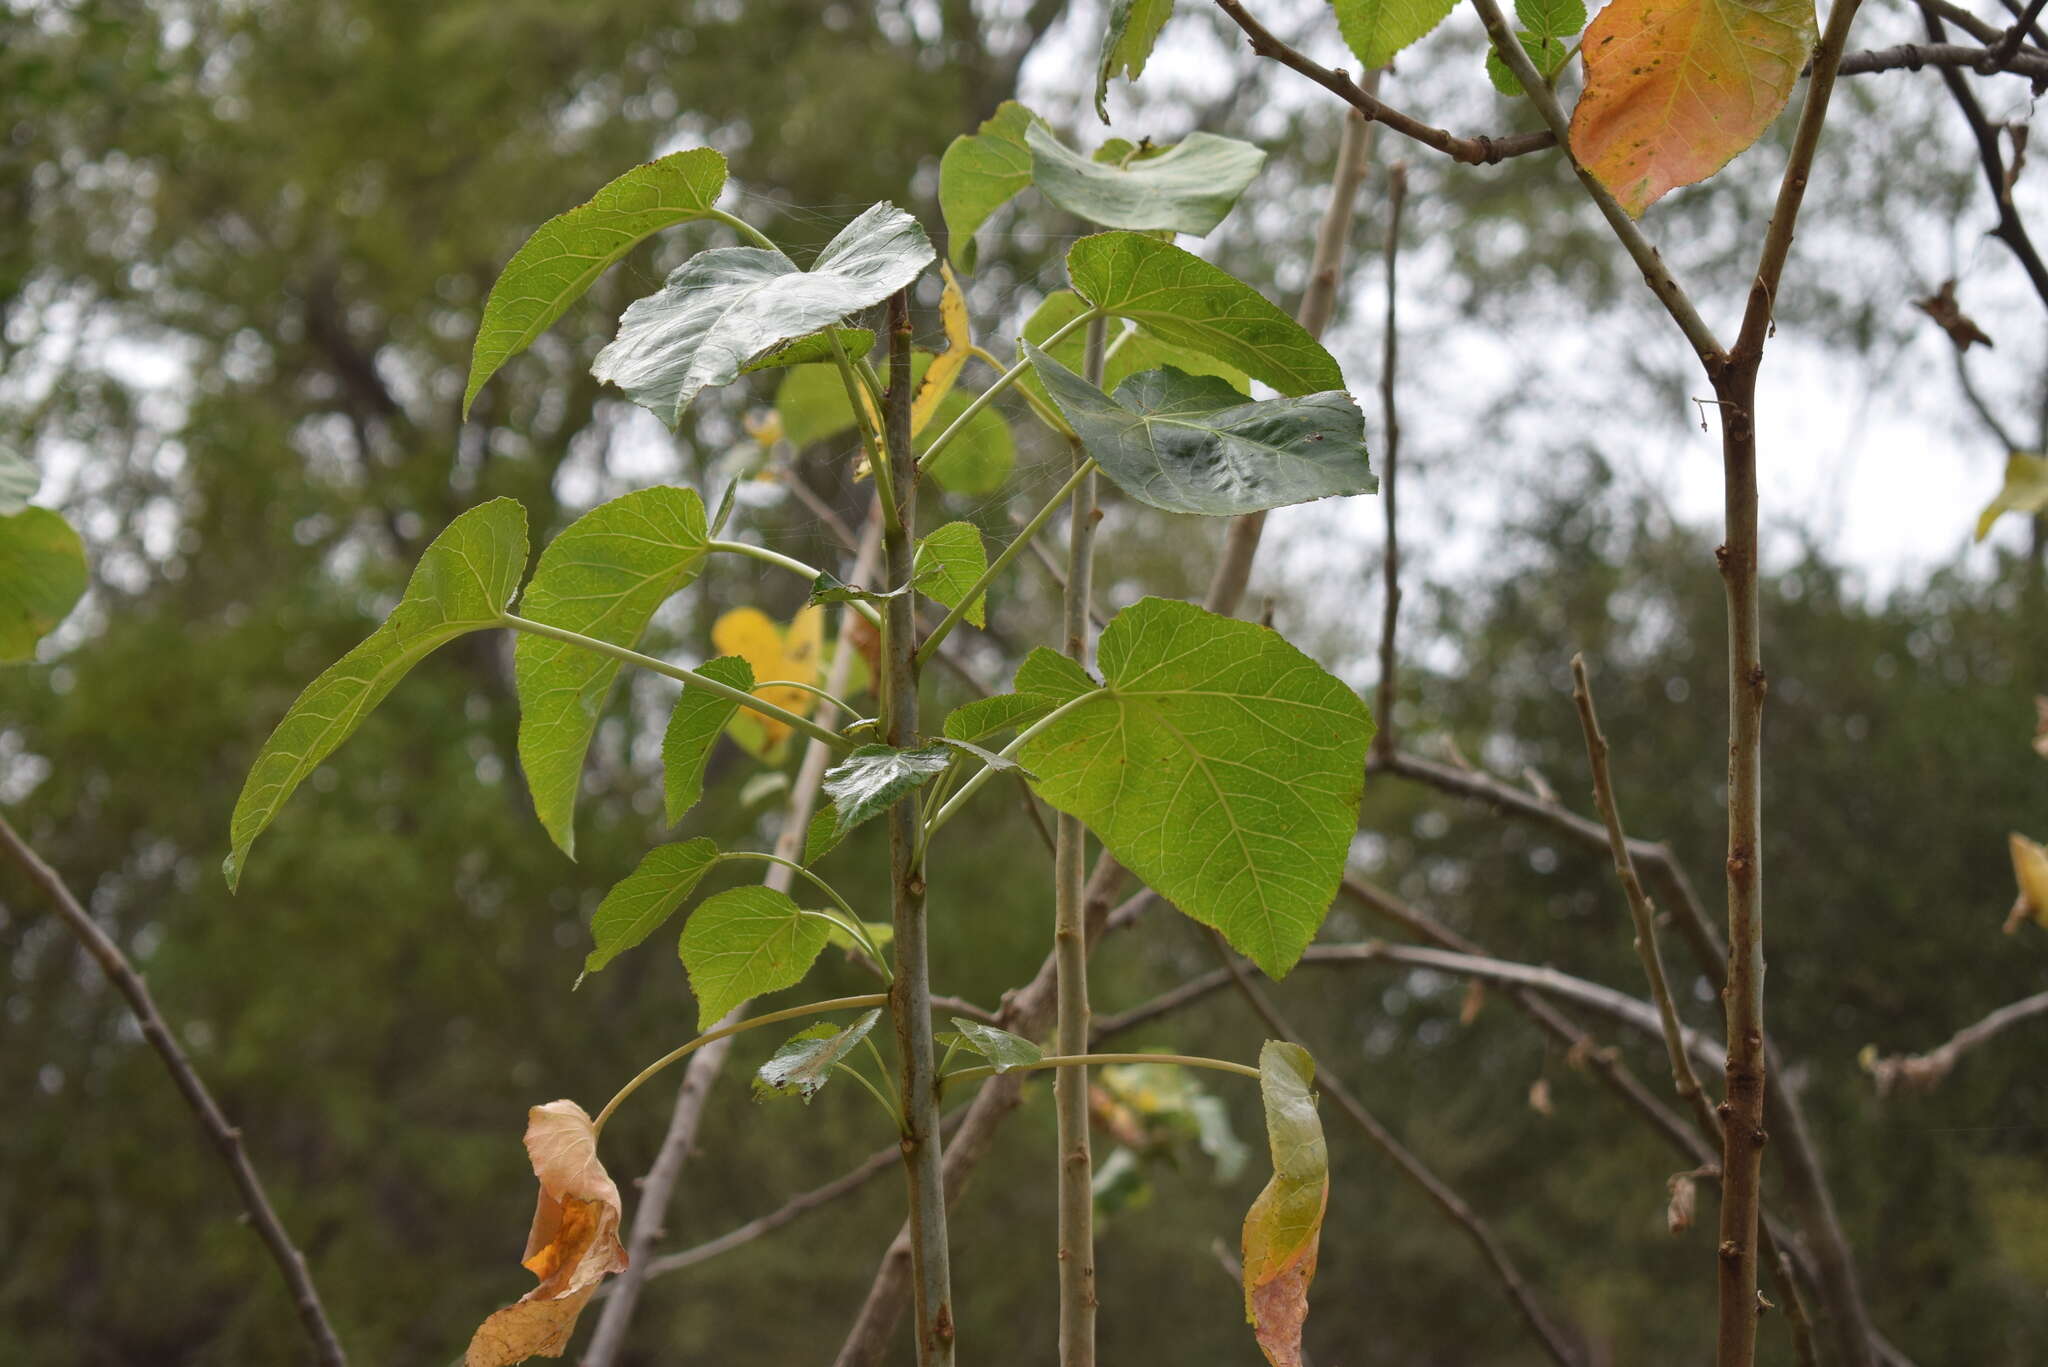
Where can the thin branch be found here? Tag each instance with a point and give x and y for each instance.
(291, 1263)
(1472, 151)
(1922, 1072)
(2011, 229)
(1390, 452)
(1656, 274)
(1435, 1188)
(1915, 56)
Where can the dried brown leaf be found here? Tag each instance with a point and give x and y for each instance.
(1684, 1201)
(1539, 1097)
(2041, 727)
(1474, 1003)
(1942, 308)
(573, 1245)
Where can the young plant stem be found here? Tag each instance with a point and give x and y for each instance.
(988, 771)
(794, 566)
(1390, 454)
(641, 1078)
(1070, 945)
(686, 676)
(291, 1263)
(910, 993)
(1069, 1064)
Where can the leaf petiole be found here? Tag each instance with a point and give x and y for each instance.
(1090, 1060)
(686, 676)
(790, 563)
(987, 771)
(1002, 382)
(851, 925)
(888, 1106)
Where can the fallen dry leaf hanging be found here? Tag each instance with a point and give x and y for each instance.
(574, 1243)
(1942, 308)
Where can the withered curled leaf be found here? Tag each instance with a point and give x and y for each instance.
(1962, 329)
(1284, 1228)
(574, 1243)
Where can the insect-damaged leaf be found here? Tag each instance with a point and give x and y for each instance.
(462, 584)
(1284, 1228)
(1001, 1048)
(1676, 88)
(1186, 188)
(573, 1245)
(874, 778)
(638, 903)
(1220, 765)
(603, 577)
(744, 943)
(1192, 444)
(803, 1065)
(568, 252)
(724, 308)
(1185, 301)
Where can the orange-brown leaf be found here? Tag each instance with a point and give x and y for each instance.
(1676, 88)
(1284, 1227)
(2030, 871)
(572, 1246)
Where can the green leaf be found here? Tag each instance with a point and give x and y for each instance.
(1546, 53)
(985, 717)
(990, 758)
(638, 903)
(603, 577)
(803, 1065)
(813, 348)
(1137, 350)
(568, 252)
(1185, 301)
(462, 584)
(1377, 29)
(1552, 18)
(1284, 1228)
(724, 308)
(823, 835)
(999, 1047)
(980, 173)
(1221, 766)
(874, 778)
(1188, 188)
(830, 588)
(19, 481)
(693, 728)
(1054, 677)
(1134, 27)
(949, 562)
(881, 932)
(1192, 444)
(725, 505)
(42, 577)
(2025, 491)
(744, 943)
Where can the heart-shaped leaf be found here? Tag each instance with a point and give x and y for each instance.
(949, 561)
(744, 943)
(568, 252)
(463, 583)
(603, 577)
(1284, 1228)
(1186, 188)
(1001, 1048)
(1185, 301)
(1220, 765)
(638, 903)
(1676, 88)
(42, 577)
(724, 308)
(804, 1063)
(1192, 444)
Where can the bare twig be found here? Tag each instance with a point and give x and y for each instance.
(1922, 1072)
(1435, 1188)
(291, 1263)
(1390, 452)
(1914, 56)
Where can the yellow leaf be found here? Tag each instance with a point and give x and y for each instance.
(573, 1245)
(774, 653)
(2030, 871)
(1675, 88)
(947, 365)
(2025, 491)
(2041, 727)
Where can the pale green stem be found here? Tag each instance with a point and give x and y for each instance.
(851, 925)
(677, 672)
(1089, 1060)
(987, 771)
(744, 229)
(793, 565)
(878, 462)
(1047, 414)
(750, 1023)
(812, 689)
(1002, 562)
(1002, 382)
(888, 1106)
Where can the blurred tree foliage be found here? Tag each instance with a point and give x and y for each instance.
(294, 209)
